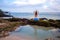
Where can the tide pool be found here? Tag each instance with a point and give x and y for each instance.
(35, 32)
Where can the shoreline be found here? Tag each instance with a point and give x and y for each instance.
(11, 24)
(5, 31)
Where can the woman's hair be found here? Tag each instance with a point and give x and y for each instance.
(36, 13)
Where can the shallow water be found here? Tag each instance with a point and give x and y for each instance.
(33, 32)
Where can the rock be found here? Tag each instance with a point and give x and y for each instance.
(58, 37)
(4, 33)
(49, 39)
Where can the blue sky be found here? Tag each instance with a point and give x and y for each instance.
(30, 5)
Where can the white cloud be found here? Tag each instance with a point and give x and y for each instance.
(34, 2)
(28, 2)
(45, 6)
(32, 5)
(19, 3)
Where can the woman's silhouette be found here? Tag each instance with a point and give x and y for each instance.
(36, 14)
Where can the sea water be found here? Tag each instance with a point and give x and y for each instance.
(48, 15)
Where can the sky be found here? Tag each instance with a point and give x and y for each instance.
(30, 5)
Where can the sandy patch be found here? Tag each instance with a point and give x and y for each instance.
(16, 38)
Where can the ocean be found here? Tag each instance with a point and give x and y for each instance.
(48, 15)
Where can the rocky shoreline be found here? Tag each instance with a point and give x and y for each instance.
(9, 25)
(4, 30)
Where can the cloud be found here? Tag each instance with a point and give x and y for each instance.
(30, 5)
(28, 2)
(34, 2)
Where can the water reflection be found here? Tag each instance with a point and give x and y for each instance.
(35, 32)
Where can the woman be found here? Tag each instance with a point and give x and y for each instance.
(36, 14)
